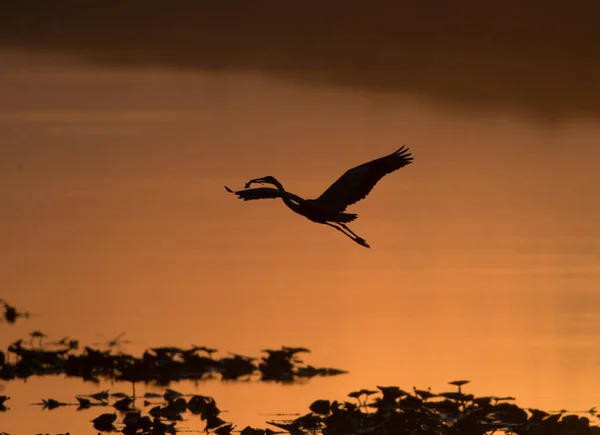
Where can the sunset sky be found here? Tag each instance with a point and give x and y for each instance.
(119, 130)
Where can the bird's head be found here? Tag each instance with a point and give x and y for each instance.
(264, 180)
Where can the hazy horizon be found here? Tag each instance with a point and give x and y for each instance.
(542, 60)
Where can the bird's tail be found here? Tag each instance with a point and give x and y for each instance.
(346, 217)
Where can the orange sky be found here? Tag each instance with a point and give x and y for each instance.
(485, 252)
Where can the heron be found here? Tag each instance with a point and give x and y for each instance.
(330, 208)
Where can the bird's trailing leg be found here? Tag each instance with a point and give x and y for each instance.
(349, 230)
(356, 238)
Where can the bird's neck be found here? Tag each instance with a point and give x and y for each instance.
(278, 185)
(289, 202)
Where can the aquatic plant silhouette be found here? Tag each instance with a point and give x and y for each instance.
(104, 422)
(175, 404)
(160, 366)
(392, 412)
(386, 410)
(3, 399)
(423, 412)
(52, 404)
(39, 335)
(11, 313)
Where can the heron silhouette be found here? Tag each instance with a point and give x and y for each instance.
(329, 208)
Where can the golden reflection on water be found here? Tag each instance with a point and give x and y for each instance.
(485, 252)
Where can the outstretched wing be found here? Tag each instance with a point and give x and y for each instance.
(257, 193)
(356, 183)
(264, 193)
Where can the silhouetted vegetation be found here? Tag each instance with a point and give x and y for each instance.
(158, 365)
(386, 410)
(11, 313)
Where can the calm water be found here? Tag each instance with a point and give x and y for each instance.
(485, 259)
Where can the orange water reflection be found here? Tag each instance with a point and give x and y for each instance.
(485, 254)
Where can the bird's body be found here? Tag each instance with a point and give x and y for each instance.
(329, 208)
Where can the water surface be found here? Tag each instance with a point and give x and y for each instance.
(485, 258)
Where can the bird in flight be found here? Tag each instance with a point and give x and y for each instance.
(329, 208)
